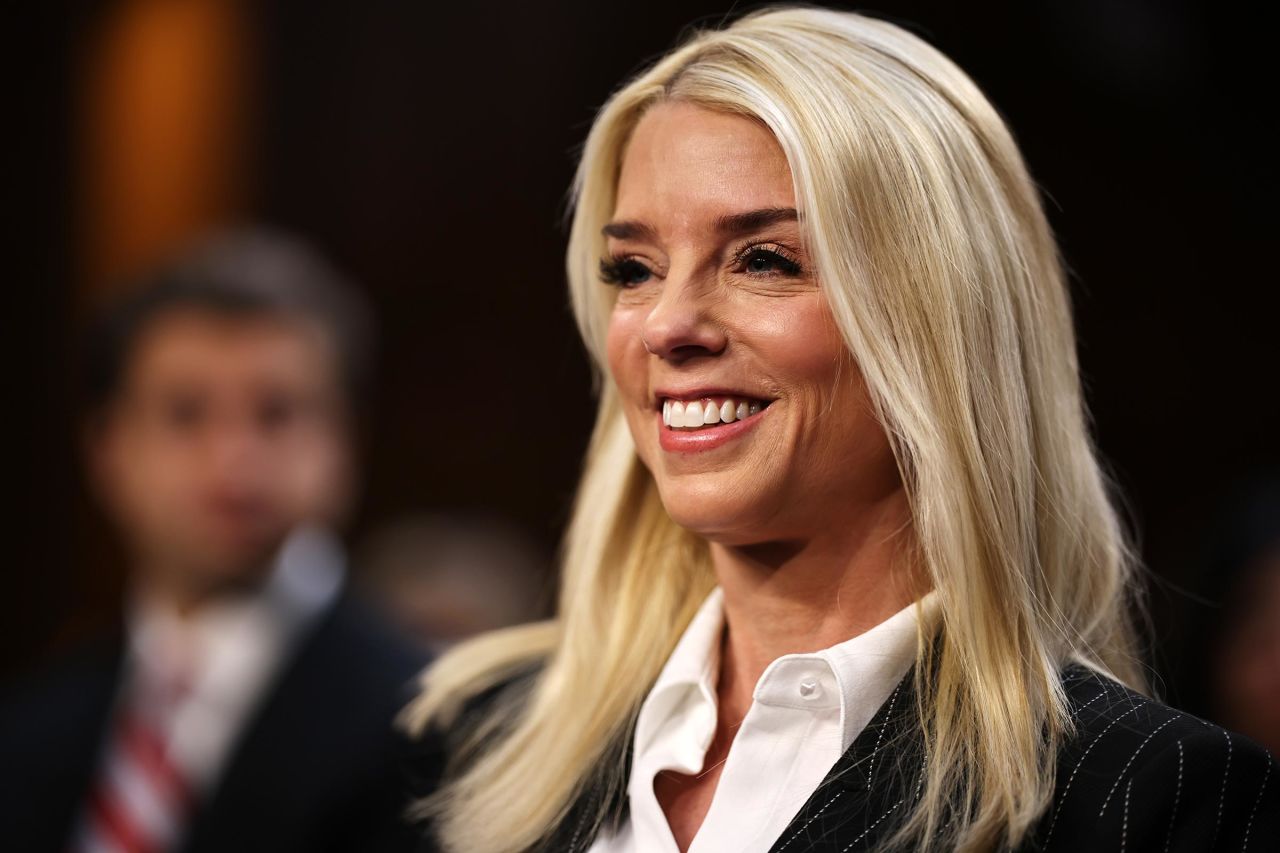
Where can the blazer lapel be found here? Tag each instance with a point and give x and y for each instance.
(603, 804)
(869, 789)
(858, 804)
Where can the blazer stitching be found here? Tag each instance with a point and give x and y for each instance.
(1054, 823)
(873, 826)
(1177, 796)
(1222, 796)
(1248, 827)
(1129, 763)
(1087, 704)
(924, 769)
(801, 830)
(573, 842)
(893, 699)
(1124, 827)
(871, 766)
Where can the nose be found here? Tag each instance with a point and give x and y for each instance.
(683, 324)
(236, 443)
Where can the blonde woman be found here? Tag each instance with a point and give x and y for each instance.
(843, 573)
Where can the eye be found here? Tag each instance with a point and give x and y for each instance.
(183, 412)
(623, 272)
(276, 411)
(759, 260)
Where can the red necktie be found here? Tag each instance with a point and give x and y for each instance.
(140, 800)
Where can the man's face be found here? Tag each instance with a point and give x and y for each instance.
(226, 433)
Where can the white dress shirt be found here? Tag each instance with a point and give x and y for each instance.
(227, 653)
(805, 712)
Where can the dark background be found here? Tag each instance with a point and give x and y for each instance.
(427, 148)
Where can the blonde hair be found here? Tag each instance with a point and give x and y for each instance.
(943, 276)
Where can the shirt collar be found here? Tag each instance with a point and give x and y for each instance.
(693, 666)
(696, 658)
(857, 675)
(306, 576)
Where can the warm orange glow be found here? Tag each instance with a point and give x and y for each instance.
(163, 126)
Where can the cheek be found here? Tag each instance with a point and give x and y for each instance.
(804, 349)
(315, 473)
(615, 346)
(838, 430)
(626, 354)
(145, 485)
(151, 463)
(629, 368)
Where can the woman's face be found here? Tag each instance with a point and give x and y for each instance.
(720, 322)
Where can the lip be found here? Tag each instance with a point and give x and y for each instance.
(706, 438)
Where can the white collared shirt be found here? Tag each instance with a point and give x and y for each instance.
(805, 712)
(229, 652)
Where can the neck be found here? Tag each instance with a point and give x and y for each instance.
(187, 593)
(808, 594)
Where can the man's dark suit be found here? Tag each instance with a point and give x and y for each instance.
(316, 768)
(1136, 776)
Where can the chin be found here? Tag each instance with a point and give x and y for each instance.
(716, 512)
(241, 556)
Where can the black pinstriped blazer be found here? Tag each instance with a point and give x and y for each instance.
(1137, 776)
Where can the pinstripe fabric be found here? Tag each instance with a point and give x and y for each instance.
(1140, 775)
(1136, 776)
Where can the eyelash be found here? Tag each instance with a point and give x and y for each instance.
(787, 263)
(615, 270)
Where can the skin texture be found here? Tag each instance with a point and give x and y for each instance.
(806, 515)
(227, 432)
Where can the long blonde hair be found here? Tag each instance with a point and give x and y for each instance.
(942, 274)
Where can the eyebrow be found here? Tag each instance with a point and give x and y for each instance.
(730, 225)
(630, 230)
(745, 223)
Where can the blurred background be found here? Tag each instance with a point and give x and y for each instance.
(427, 149)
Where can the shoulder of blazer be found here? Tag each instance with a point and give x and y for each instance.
(1135, 775)
(317, 765)
(52, 725)
(441, 753)
(1140, 775)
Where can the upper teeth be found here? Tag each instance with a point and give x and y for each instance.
(694, 414)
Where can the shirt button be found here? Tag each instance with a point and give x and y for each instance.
(810, 689)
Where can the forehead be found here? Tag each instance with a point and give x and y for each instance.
(195, 344)
(685, 165)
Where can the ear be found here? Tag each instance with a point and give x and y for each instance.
(349, 487)
(99, 448)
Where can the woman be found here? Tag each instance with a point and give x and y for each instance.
(843, 573)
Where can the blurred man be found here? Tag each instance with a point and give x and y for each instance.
(247, 705)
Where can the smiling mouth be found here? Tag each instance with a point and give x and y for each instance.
(691, 415)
